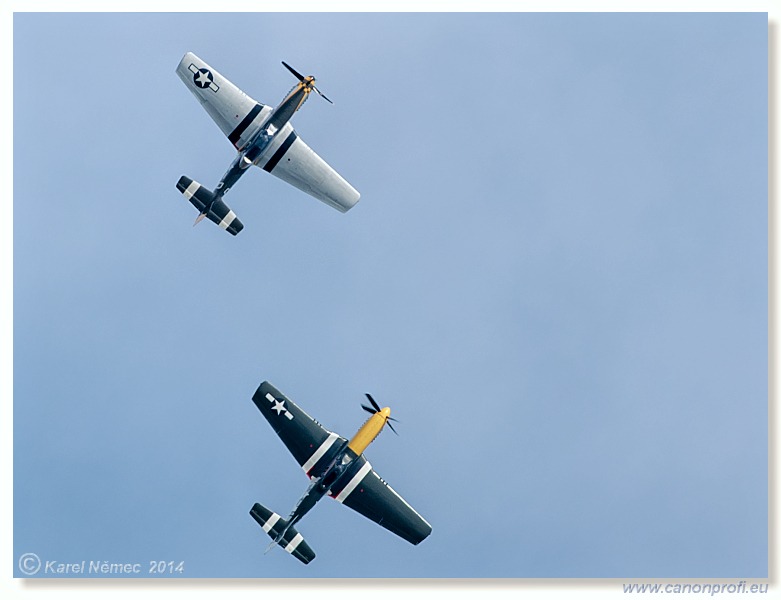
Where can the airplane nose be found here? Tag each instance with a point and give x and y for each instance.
(385, 412)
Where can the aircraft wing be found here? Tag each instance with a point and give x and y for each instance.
(290, 159)
(367, 493)
(235, 113)
(311, 444)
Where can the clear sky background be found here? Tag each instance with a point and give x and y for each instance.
(556, 277)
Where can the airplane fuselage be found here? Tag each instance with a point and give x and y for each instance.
(260, 142)
(338, 468)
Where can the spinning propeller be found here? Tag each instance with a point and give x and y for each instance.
(310, 81)
(375, 409)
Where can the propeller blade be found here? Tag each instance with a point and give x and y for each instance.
(199, 218)
(373, 403)
(293, 71)
(377, 409)
(322, 95)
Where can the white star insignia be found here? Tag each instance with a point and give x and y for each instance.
(279, 406)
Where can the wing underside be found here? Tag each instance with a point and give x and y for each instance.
(376, 500)
(294, 162)
(236, 114)
(311, 444)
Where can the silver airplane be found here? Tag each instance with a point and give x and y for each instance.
(263, 136)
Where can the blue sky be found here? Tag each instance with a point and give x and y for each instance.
(556, 277)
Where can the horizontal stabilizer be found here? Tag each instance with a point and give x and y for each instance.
(216, 210)
(273, 524)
